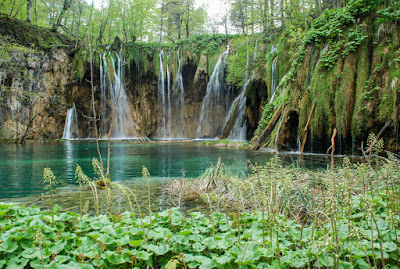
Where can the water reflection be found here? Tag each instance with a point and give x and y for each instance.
(21, 166)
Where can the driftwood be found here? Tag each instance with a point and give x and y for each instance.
(303, 144)
(332, 147)
(270, 127)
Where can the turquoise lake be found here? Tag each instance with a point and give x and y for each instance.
(21, 166)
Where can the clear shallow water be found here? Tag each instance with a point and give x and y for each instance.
(21, 166)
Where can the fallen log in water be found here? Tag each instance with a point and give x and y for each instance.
(270, 127)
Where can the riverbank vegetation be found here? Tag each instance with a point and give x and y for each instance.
(277, 217)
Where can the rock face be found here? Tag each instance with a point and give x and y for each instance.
(34, 91)
(357, 96)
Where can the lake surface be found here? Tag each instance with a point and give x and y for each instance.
(21, 166)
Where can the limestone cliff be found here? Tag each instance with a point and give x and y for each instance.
(34, 78)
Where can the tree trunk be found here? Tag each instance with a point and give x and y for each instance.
(270, 127)
(28, 11)
(66, 6)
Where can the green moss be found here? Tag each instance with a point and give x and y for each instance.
(363, 67)
(80, 63)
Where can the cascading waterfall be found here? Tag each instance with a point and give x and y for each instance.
(214, 105)
(169, 115)
(277, 132)
(161, 97)
(273, 78)
(114, 100)
(71, 124)
(239, 128)
(181, 131)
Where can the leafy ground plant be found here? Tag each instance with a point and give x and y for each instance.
(353, 222)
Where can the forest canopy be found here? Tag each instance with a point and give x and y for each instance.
(166, 20)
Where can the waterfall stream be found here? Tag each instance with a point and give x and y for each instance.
(161, 97)
(115, 113)
(169, 115)
(239, 129)
(216, 101)
(71, 124)
(181, 126)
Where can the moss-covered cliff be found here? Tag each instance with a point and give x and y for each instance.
(348, 66)
(34, 76)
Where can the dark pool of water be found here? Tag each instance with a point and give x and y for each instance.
(21, 166)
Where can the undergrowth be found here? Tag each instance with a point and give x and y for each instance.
(350, 220)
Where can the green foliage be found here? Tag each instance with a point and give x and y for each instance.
(391, 14)
(80, 62)
(330, 28)
(240, 60)
(268, 112)
(206, 44)
(348, 216)
(355, 38)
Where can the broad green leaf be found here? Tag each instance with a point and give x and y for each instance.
(109, 230)
(123, 241)
(3, 212)
(37, 222)
(135, 243)
(198, 247)
(223, 243)
(389, 246)
(143, 255)
(106, 239)
(298, 262)
(193, 264)
(31, 253)
(180, 239)
(159, 249)
(345, 265)
(222, 259)
(185, 232)
(59, 259)
(96, 224)
(9, 246)
(362, 264)
(210, 242)
(115, 258)
(326, 260)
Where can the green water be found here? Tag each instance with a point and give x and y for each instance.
(21, 166)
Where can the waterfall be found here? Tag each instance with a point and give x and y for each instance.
(161, 97)
(114, 101)
(277, 132)
(213, 108)
(169, 95)
(323, 50)
(71, 124)
(273, 78)
(239, 129)
(181, 100)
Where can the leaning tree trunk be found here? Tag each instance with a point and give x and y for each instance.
(66, 6)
